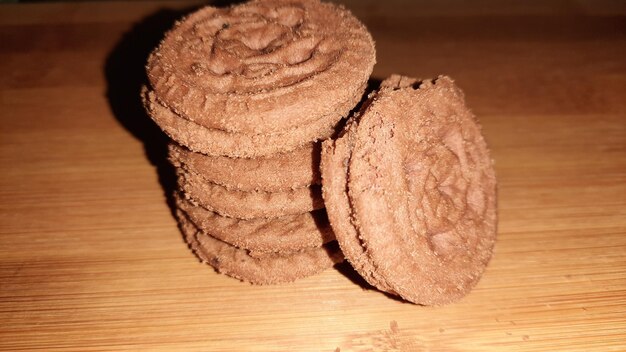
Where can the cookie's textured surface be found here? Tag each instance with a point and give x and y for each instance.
(262, 67)
(334, 165)
(271, 269)
(421, 188)
(278, 172)
(285, 234)
(248, 205)
(216, 142)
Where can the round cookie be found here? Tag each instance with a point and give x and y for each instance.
(264, 66)
(421, 190)
(248, 205)
(275, 173)
(217, 142)
(271, 269)
(291, 233)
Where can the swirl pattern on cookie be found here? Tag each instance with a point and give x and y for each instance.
(263, 66)
(421, 191)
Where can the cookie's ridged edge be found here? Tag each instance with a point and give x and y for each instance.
(248, 205)
(236, 263)
(335, 156)
(276, 173)
(261, 237)
(220, 143)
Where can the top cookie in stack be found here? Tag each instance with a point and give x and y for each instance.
(259, 78)
(246, 92)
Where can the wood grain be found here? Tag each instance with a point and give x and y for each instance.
(91, 259)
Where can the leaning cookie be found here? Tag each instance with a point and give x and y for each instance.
(421, 191)
(291, 233)
(264, 66)
(275, 173)
(248, 205)
(275, 269)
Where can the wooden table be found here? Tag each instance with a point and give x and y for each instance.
(91, 259)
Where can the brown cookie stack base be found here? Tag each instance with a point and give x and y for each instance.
(286, 234)
(246, 93)
(259, 234)
(255, 235)
(273, 268)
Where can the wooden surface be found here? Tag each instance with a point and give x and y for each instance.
(91, 259)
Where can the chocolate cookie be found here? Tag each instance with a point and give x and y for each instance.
(291, 233)
(271, 269)
(217, 142)
(248, 205)
(421, 191)
(264, 66)
(275, 173)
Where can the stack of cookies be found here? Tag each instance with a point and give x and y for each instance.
(246, 93)
(251, 96)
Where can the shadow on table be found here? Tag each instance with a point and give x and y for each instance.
(125, 73)
(348, 271)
